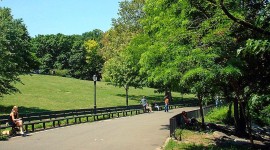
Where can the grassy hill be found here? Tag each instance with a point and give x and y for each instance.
(43, 93)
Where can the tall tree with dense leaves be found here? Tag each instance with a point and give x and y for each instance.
(185, 33)
(53, 51)
(121, 66)
(15, 55)
(96, 35)
(94, 61)
(124, 70)
(125, 27)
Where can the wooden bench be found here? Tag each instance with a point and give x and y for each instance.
(4, 122)
(30, 120)
(4, 125)
(172, 105)
(54, 117)
(111, 111)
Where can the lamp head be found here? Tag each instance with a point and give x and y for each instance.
(94, 78)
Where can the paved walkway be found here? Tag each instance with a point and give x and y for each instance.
(142, 132)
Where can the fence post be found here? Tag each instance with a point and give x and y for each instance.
(172, 127)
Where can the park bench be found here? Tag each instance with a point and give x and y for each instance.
(4, 125)
(4, 121)
(111, 111)
(172, 105)
(101, 112)
(54, 117)
(136, 108)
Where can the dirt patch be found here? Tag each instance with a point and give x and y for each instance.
(220, 139)
(198, 138)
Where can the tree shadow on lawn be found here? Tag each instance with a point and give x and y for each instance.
(22, 109)
(160, 99)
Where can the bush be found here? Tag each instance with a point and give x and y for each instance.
(220, 115)
(62, 73)
(3, 137)
(265, 115)
(260, 109)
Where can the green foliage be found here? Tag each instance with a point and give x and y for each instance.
(264, 116)
(260, 109)
(96, 35)
(77, 53)
(62, 73)
(219, 115)
(125, 27)
(3, 137)
(15, 55)
(53, 51)
(194, 45)
(123, 70)
(255, 47)
(94, 61)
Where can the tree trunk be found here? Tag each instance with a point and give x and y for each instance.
(126, 94)
(169, 94)
(242, 120)
(249, 126)
(236, 115)
(239, 114)
(201, 109)
(226, 94)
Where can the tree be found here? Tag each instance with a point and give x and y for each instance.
(53, 51)
(94, 62)
(162, 26)
(123, 71)
(15, 55)
(121, 66)
(125, 27)
(73, 55)
(199, 40)
(261, 8)
(96, 35)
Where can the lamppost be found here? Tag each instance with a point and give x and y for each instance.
(95, 98)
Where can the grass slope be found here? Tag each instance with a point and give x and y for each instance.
(43, 93)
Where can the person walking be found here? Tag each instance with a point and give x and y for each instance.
(166, 101)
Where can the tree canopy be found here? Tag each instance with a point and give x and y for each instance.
(15, 55)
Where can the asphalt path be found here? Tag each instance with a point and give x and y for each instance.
(146, 131)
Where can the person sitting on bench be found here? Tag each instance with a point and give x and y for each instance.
(156, 106)
(149, 108)
(14, 120)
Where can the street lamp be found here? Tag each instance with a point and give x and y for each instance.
(95, 98)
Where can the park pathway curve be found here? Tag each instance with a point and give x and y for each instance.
(146, 131)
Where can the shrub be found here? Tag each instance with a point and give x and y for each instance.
(220, 115)
(3, 137)
(260, 109)
(62, 73)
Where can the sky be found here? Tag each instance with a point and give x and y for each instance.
(63, 16)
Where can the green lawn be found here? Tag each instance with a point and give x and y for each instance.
(43, 93)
